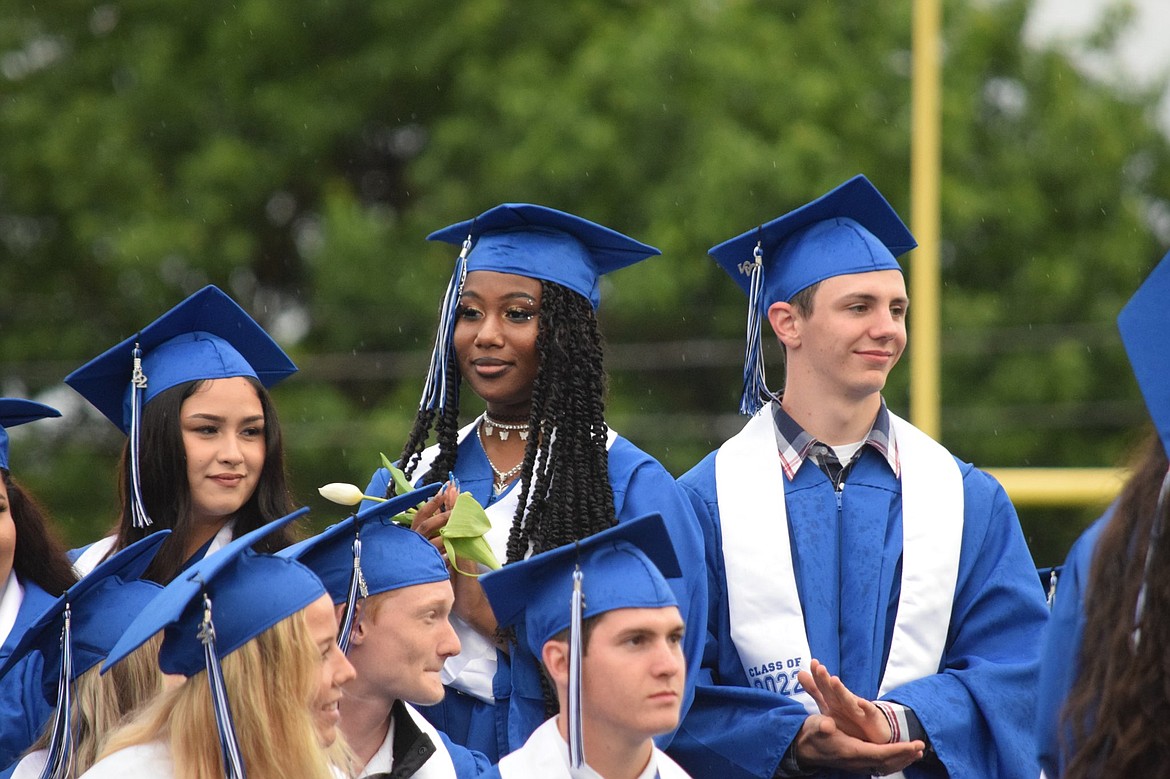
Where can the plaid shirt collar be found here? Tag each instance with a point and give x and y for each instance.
(794, 442)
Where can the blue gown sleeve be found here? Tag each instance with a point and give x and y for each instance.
(468, 762)
(24, 710)
(979, 710)
(1062, 645)
(642, 486)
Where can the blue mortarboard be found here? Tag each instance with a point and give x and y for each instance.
(215, 607)
(369, 553)
(527, 240)
(17, 411)
(851, 229)
(78, 629)
(623, 567)
(1144, 323)
(207, 336)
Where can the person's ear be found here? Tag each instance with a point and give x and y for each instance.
(357, 631)
(556, 661)
(785, 324)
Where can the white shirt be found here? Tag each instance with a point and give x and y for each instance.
(141, 760)
(31, 765)
(11, 596)
(546, 755)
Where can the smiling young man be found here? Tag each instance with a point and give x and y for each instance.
(394, 598)
(842, 540)
(617, 664)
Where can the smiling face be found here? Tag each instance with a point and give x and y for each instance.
(401, 641)
(334, 671)
(495, 340)
(855, 334)
(222, 424)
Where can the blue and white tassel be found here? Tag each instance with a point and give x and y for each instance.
(1155, 536)
(576, 654)
(755, 386)
(137, 389)
(435, 391)
(233, 763)
(357, 588)
(59, 761)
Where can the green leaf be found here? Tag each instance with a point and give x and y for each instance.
(463, 534)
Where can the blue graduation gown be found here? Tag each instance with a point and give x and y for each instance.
(977, 711)
(640, 486)
(23, 706)
(1062, 645)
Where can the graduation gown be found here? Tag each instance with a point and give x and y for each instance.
(640, 486)
(1062, 646)
(546, 755)
(23, 706)
(420, 751)
(847, 561)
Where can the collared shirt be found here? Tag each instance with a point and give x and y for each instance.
(410, 746)
(796, 445)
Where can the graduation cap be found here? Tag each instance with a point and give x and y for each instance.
(79, 628)
(207, 336)
(17, 411)
(625, 566)
(368, 553)
(526, 240)
(851, 229)
(215, 607)
(1144, 324)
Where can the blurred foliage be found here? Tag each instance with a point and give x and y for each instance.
(296, 153)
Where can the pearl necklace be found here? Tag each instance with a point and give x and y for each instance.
(504, 429)
(500, 478)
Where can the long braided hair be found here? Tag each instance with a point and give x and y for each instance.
(1117, 707)
(565, 497)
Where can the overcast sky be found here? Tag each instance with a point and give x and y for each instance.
(1144, 51)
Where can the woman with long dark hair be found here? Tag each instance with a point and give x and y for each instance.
(1104, 680)
(519, 327)
(204, 455)
(34, 570)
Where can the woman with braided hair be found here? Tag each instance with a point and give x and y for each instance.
(519, 326)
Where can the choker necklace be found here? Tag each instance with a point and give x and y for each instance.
(500, 478)
(503, 429)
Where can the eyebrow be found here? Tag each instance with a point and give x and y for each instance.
(868, 298)
(218, 418)
(508, 296)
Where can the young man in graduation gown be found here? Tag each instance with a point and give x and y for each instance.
(394, 597)
(838, 532)
(607, 627)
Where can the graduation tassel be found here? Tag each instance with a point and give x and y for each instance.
(59, 761)
(357, 587)
(576, 647)
(435, 390)
(1155, 536)
(233, 763)
(755, 386)
(137, 388)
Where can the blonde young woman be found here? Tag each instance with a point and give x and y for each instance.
(72, 637)
(256, 638)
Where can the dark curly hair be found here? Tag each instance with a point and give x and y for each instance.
(569, 497)
(1117, 707)
(40, 555)
(167, 494)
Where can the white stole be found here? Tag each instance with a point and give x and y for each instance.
(97, 551)
(546, 755)
(767, 622)
(473, 670)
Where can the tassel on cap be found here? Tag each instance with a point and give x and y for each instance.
(233, 763)
(138, 379)
(576, 653)
(1155, 539)
(755, 386)
(357, 588)
(59, 761)
(435, 391)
